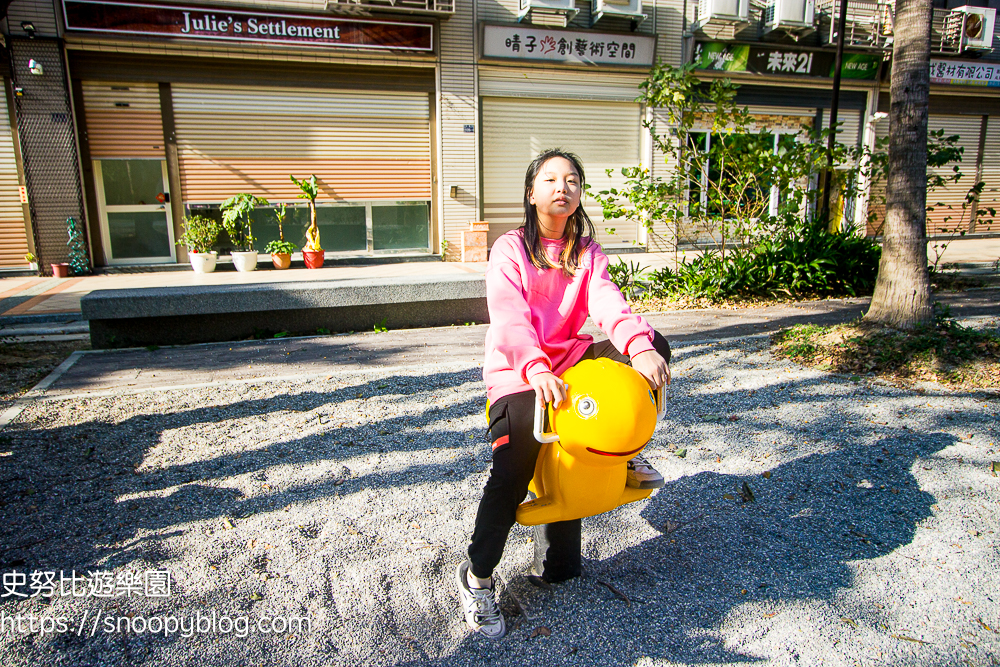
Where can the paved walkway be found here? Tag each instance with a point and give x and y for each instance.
(102, 373)
(32, 296)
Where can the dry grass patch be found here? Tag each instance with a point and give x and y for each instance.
(684, 302)
(944, 352)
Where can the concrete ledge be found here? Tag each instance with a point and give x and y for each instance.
(209, 313)
(225, 263)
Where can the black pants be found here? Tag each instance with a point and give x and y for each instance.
(515, 451)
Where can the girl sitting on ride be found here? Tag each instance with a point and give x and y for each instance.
(542, 281)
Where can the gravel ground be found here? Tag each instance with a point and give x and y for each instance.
(23, 364)
(349, 500)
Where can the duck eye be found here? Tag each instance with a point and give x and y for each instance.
(586, 406)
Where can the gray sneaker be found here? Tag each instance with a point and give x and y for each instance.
(481, 605)
(641, 475)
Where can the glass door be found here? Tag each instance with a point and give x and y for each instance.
(136, 223)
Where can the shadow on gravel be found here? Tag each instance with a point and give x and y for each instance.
(715, 559)
(55, 476)
(728, 562)
(794, 542)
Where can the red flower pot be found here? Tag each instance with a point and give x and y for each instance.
(61, 270)
(313, 258)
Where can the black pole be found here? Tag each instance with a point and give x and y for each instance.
(834, 106)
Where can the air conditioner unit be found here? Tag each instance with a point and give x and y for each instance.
(785, 14)
(627, 8)
(978, 27)
(729, 11)
(567, 7)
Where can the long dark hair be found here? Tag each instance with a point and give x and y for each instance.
(579, 232)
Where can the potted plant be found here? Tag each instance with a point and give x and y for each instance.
(312, 252)
(32, 261)
(236, 219)
(281, 253)
(199, 235)
(281, 250)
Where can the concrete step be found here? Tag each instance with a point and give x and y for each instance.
(210, 313)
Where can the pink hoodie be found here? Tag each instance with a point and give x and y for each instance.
(536, 314)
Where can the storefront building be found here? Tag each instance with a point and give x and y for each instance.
(782, 54)
(965, 101)
(544, 87)
(417, 116)
(175, 108)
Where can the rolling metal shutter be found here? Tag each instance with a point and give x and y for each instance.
(947, 201)
(561, 85)
(849, 125)
(990, 197)
(662, 236)
(876, 198)
(123, 120)
(606, 135)
(13, 235)
(360, 145)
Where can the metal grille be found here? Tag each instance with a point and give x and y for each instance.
(48, 145)
(869, 22)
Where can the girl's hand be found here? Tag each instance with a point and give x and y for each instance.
(548, 388)
(652, 367)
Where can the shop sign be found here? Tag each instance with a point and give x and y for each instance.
(566, 46)
(964, 73)
(220, 23)
(763, 59)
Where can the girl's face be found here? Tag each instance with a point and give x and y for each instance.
(556, 190)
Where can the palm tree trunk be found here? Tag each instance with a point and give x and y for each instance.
(902, 295)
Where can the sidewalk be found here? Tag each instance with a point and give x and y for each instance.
(44, 298)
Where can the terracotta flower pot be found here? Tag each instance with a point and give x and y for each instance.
(313, 258)
(281, 260)
(61, 270)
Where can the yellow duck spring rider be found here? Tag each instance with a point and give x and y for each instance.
(609, 416)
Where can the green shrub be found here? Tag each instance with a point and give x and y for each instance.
(236, 218)
(797, 261)
(626, 277)
(199, 233)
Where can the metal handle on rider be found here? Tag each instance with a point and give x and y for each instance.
(539, 430)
